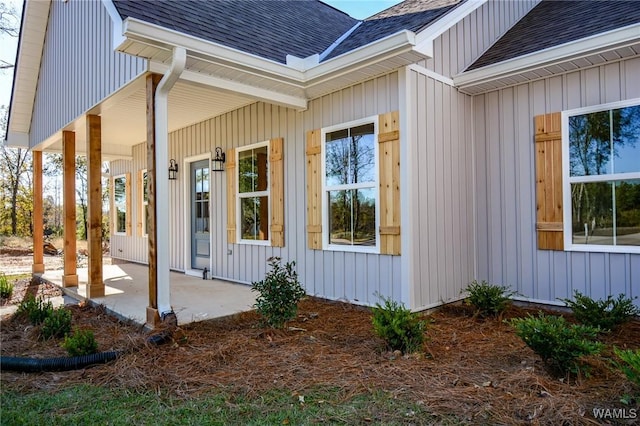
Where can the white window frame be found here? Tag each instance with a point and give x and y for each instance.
(239, 195)
(144, 204)
(326, 188)
(567, 180)
(122, 204)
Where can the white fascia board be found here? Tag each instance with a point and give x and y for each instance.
(565, 52)
(29, 57)
(155, 35)
(117, 37)
(400, 42)
(17, 140)
(231, 86)
(425, 38)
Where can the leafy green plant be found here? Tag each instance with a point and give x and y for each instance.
(278, 294)
(36, 309)
(630, 364)
(400, 328)
(6, 288)
(606, 314)
(488, 299)
(81, 342)
(559, 343)
(57, 324)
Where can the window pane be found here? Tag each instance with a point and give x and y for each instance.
(253, 170)
(605, 142)
(121, 223)
(254, 217)
(628, 213)
(626, 144)
(145, 189)
(119, 190)
(352, 217)
(598, 220)
(350, 156)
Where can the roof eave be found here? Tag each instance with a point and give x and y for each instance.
(617, 38)
(27, 68)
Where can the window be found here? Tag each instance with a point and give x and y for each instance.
(350, 186)
(145, 204)
(253, 192)
(121, 204)
(601, 152)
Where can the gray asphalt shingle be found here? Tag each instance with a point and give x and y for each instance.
(552, 23)
(267, 28)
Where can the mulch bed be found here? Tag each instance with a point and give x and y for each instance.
(477, 370)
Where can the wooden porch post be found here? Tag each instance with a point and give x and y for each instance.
(95, 286)
(153, 317)
(70, 277)
(38, 225)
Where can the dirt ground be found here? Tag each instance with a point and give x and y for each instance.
(477, 370)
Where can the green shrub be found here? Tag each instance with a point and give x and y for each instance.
(36, 309)
(559, 343)
(488, 299)
(81, 342)
(400, 328)
(630, 364)
(279, 294)
(6, 288)
(606, 314)
(57, 324)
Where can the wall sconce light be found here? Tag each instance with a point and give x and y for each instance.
(218, 160)
(173, 169)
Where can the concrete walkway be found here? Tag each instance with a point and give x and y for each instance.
(193, 299)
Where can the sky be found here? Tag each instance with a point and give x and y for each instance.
(358, 9)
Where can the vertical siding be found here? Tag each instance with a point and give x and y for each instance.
(462, 44)
(338, 275)
(505, 186)
(79, 67)
(441, 156)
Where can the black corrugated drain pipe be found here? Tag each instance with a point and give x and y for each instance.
(32, 365)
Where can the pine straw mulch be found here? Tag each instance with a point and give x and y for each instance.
(476, 370)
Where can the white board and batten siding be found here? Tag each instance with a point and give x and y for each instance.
(505, 185)
(355, 277)
(79, 67)
(463, 43)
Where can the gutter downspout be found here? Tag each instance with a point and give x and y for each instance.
(162, 178)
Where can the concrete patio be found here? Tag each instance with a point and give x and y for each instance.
(193, 299)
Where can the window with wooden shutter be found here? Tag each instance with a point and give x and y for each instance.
(341, 173)
(276, 182)
(549, 212)
(231, 195)
(121, 203)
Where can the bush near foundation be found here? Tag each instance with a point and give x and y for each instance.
(6, 288)
(488, 299)
(400, 328)
(560, 344)
(606, 314)
(278, 294)
(81, 342)
(57, 324)
(36, 309)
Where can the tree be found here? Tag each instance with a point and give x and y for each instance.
(9, 23)
(15, 178)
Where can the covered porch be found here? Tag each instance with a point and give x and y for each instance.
(192, 299)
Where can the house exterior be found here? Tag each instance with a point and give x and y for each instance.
(402, 156)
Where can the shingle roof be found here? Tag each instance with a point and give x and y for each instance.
(267, 28)
(412, 15)
(552, 23)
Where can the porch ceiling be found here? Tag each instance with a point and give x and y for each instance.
(124, 115)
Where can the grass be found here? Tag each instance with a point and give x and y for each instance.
(85, 404)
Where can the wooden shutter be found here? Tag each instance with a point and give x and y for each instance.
(548, 141)
(314, 185)
(276, 183)
(231, 195)
(389, 163)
